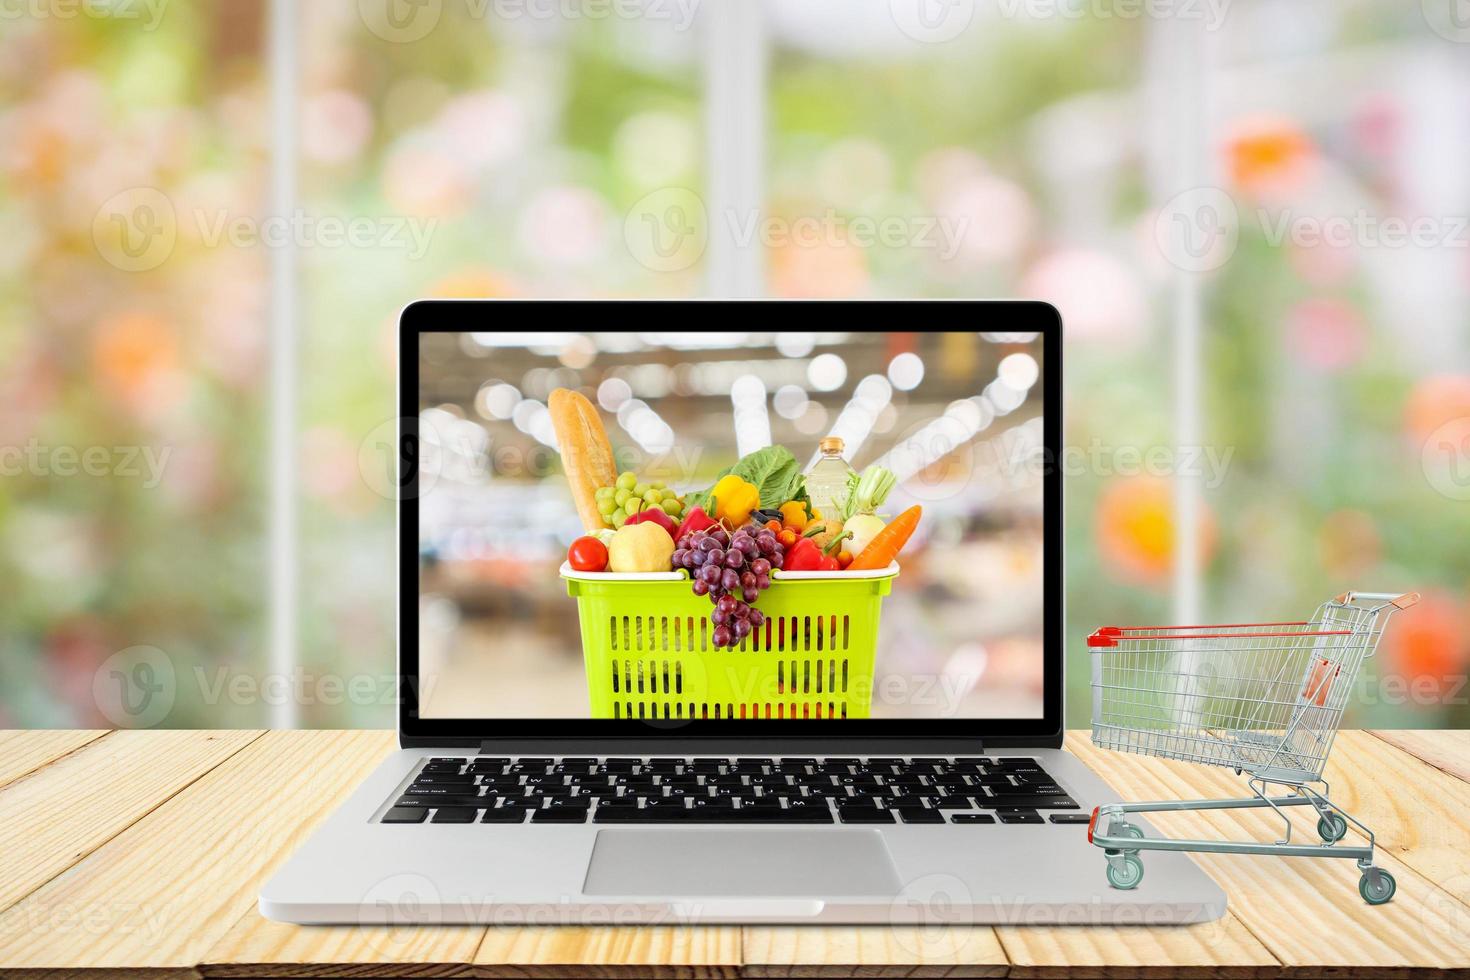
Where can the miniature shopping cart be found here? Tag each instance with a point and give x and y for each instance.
(1260, 698)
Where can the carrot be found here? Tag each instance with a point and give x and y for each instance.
(887, 543)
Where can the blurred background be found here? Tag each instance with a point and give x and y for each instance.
(956, 417)
(1250, 212)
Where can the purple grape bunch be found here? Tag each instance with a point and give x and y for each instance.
(733, 570)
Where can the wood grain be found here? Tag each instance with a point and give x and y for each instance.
(67, 810)
(257, 947)
(1448, 751)
(1224, 948)
(162, 893)
(22, 753)
(609, 951)
(1305, 911)
(131, 859)
(873, 951)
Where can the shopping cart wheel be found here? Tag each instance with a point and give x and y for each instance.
(1331, 828)
(1127, 873)
(1376, 886)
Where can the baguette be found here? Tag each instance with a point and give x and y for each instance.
(586, 455)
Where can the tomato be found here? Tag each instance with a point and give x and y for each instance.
(587, 554)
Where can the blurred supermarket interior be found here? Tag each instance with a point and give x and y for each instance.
(955, 416)
(153, 311)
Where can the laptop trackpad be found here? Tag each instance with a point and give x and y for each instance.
(714, 862)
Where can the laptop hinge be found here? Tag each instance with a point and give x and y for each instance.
(500, 747)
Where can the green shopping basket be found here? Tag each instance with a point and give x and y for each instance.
(646, 644)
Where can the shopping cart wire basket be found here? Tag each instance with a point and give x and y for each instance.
(1264, 699)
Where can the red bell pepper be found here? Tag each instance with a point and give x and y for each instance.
(654, 515)
(805, 556)
(695, 520)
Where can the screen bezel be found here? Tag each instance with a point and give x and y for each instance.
(452, 316)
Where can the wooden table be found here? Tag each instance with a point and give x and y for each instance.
(142, 852)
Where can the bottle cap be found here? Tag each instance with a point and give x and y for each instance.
(830, 446)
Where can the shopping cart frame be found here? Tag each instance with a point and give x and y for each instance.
(1344, 632)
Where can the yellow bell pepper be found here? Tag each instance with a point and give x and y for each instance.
(793, 515)
(734, 499)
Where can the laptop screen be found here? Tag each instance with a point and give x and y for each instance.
(636, 525)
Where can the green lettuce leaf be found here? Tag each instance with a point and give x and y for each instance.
(774, 471)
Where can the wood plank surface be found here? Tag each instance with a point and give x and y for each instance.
(1449, 751)
(162, 893)
(609, 951)
(873, 951)
(62, 813)
(22, 753)
(126, 855)
(1224, 948)
(257, 947)
(1306, 911)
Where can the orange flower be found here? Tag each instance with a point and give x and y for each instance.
(473, 284)
(1434, 402)
(132, 353)
(1269, 153)
(1135, 529)
(809, 269)
(1428, 642)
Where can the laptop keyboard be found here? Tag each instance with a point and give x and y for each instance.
(481, 789)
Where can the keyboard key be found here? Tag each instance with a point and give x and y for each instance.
(1029, 802)
(850, 815)
(454, 814)
(466, 800)
(953, 803)
(972, 818)
(1070, 817)
(747, 815)
(508, 814)
(443, 779)
(456, 789)
(1027, 816)
(406, 814)
(912, 815)
(559, 815)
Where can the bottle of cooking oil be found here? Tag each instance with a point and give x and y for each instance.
(826, 481)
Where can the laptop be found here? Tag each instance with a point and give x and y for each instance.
(881, 742)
